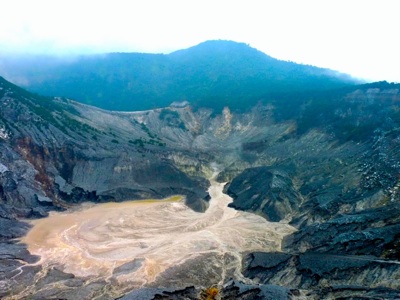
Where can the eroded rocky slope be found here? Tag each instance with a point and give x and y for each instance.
(327, 164)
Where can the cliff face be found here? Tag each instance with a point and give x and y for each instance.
(75, 153)
(329, 165)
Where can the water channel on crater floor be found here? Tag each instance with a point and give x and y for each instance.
(154, 243)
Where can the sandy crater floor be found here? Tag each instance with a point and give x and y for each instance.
(154, 243)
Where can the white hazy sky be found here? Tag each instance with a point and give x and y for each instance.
(359, 37)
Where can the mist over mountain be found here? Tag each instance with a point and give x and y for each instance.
(212, 74)
(297, 145)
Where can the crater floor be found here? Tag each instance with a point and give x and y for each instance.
(154, 243)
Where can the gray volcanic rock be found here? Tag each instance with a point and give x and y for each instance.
(12, 229)
(266, 190)
(13, 258)
(122, 179)
(360, 276)
(266, 260)
(73, 153)
(232, 290)
(237, 290)
(157, 293)
(128, 267)
(369, 232)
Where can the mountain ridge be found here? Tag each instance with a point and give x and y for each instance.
(213, 74)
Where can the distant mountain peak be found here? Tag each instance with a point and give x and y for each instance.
(221, 44)
(213, 47)
(214, 74)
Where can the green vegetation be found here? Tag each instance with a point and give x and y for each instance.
(172, 118)
(153, 138)
(213, 74)
(137, 142)
(349, 119)
(46, 110)
(141, 142)
(147, 130)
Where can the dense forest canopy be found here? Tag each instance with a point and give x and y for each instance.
(212, 74)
